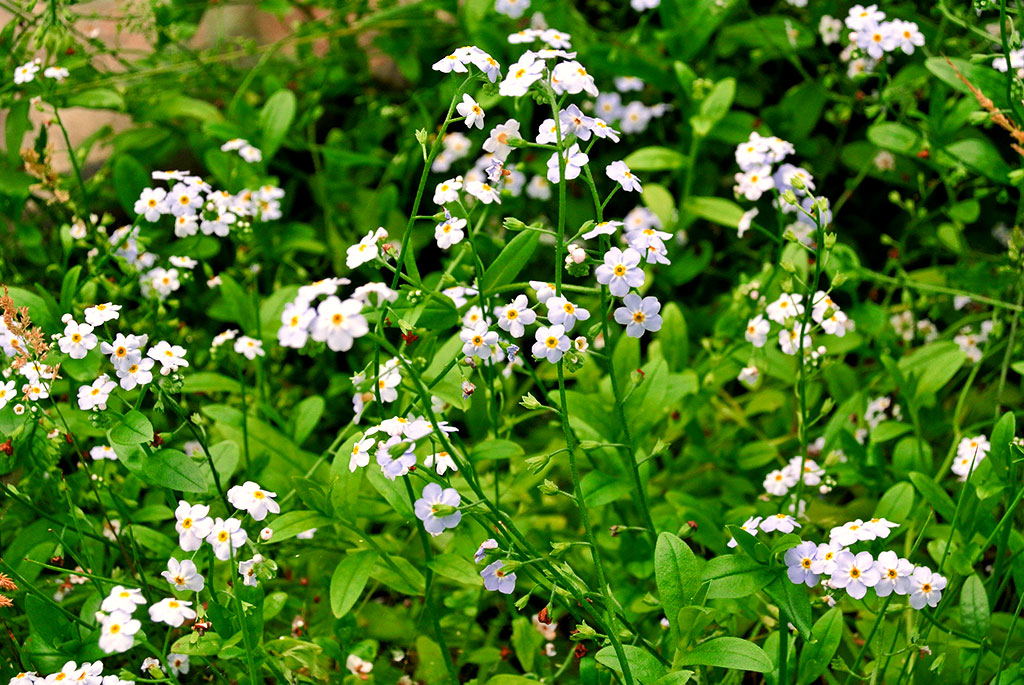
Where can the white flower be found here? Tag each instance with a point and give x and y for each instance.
(825, 558)
(925, 588)
(248, 347)
(574, 163)
(95, 396)
(366, 250)
(266, 534)
(572, 77)
(787, 306)
(745, 222)
(639, 315)
(339, 323)
(800, 561)
(247, 569)
(447, 191)
(122, 599)
(226, 536)
(101, 313)
(779, 481)
(749, 375)
(860, 17)
(193, 524)
(620, 271)
(471, 110)
(830, 28)
(757, 331)
(750, 525)
(852, 532)
(441, 461)
(438, 508)
(253, 499)
(514, 316)
(148, 663)
(477, 341)
(620, 173)
(25, 73)
(171, 357)
(521, 76)
(497, 140)
(754, 183)
(77, 340)
(56, 73)
(602, 228)
(895, 574)
(151, 203)
(117, 633)
(99, 451)
(360, 455)
(353, 663)
(564, 312)
(783, 523)
(641, 5)
(183, 575)
(171, 611)
(449, 233)
(134, 375)
(855, 573)
(177, 663)
(483, 191)
(551, 343)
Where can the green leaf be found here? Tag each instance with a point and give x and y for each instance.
(349, 579)
(674, 337)
(507, 265)
(732, 576)
(1002, 436)
(933, 365)
(677, 573)
(719, 100)
(399, 574)
(938, 498)
(96, 98)
(172, 469)
(208, 381)
(193, 644)
(897, 503)
(526, 642)
(130, 178)
(660, 201)
(275, 120)
(133, 429)
(728, 652)
(974, 607)
(290, 524)
(644, 667)
(456, 567)
(308, 413)
(817, 654)
(794, 600)
(68, 287)
(495, 450)
(980, 155)
(715, 209)
(896, 137)
(655, 158)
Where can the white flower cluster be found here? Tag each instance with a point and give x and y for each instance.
(970, 342)
(333, 321)
(907, 328)
(1016, 62)
(27, 72)
(825, 313)
(779, 481)
(870, 37)
(88, 673)
(393, 444)
(196, 206)
(246, 151)
(969, 455)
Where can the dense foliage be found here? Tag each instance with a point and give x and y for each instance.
(501, 342)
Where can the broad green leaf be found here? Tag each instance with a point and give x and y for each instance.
(660, 201)
(133, 429)
(507, 265)
(677, 573)
(1002, 436)
(897, 503)
(674, 337)
(794, 600)
(974, 607)
(290, 524)
(456, 567)
(308, 413)
(526, 641)
(728, 652)
(979, 155)
(349, 579)
(172, 469)
(817, 654)
(275, 119)
(938, 498)
(130, 178)
(732, 576)
(655, 158)
(399, 574)
(193, 644)
(715, 209)
(643, 665)
(96, 98)
(896, 137)
(495, 450)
